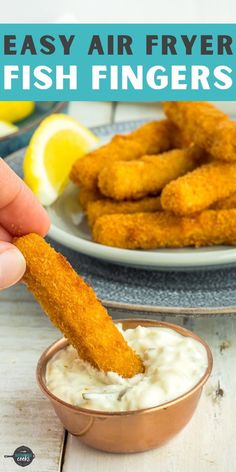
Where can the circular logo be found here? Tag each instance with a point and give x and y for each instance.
(22, 456)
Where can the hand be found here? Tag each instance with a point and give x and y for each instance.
(20, 213)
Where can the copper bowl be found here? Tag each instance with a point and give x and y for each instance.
(129, 431)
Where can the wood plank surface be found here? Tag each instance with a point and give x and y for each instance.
(26, 417)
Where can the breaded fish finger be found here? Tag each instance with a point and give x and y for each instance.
(138, 178)
(153, 137)
(200, 188)
(108, 207)
(162, 229)
(207, 126)
(74, 308)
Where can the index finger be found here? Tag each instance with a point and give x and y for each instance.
(20, 211)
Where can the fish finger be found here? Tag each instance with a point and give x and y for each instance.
(165, 230)
(153, 137)
(209, 127)
(200, 188)
(136, 179)
(74, 308)
(108, 207)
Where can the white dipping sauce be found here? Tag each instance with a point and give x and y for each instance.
(173, 365)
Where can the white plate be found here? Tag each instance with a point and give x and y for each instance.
(70, 228)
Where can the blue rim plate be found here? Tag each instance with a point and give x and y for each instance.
(69, 228)
(162, 289)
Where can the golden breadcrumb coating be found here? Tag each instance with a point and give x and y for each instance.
(108, 207)
(206, 125)
(200, 188)
(88, 195)
(162, 229)
(74, 308)
(138, 178)
(153, 137)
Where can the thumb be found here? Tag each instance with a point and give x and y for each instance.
(12, 265)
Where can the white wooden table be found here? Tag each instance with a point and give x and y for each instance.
(206, 444)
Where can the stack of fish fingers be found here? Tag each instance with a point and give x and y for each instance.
(170, 183)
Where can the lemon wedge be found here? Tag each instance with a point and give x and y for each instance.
(7, 128)
(15, 111)
(56, 144)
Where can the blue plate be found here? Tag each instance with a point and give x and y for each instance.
(123, 288)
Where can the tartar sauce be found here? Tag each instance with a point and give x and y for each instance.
(173, 365)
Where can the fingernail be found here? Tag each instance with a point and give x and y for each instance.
(12, 265)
